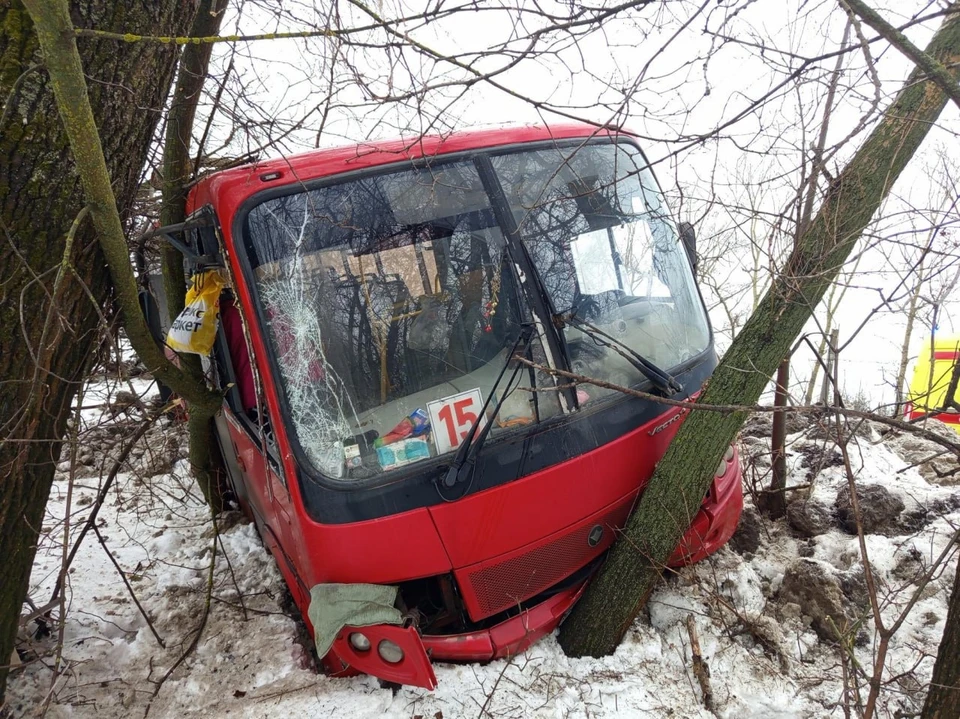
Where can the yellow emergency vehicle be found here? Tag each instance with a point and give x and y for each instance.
(931, 380)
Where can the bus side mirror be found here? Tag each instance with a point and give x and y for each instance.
(688, 236)
(190, 246)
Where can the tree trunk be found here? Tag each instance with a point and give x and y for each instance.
(177, 172)
(48, 323)
(774, 502)
(177, 168)
(674, 493)
(943, 698)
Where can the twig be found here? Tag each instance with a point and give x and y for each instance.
(208, 601)
(748, 408)
(14, 95)
(68, 502)
(133, 596)
(845, 677)
(884, 643)
(700, 668)
(923, 461)
(493, 690)
(934, 69)
(183, 40)
(922, 583)
(102, 496)
(36, 612)
(793, 488)
(233, 578)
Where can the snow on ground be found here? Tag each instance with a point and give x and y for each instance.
(765, 658)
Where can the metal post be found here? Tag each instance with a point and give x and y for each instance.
(831, 366)
(776, 500)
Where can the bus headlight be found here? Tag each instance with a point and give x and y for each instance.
(390, 652)
(360, 642)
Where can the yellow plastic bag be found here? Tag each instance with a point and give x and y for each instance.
(195, 328)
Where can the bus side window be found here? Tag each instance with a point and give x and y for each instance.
(234, 367)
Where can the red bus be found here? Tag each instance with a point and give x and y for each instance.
(391, 422)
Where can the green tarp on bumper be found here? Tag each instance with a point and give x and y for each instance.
(335, 606)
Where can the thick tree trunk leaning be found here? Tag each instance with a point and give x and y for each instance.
(177, 172)
(675, 491)
(943, 698)
(177, 167)
(56, 36)
(41, 296)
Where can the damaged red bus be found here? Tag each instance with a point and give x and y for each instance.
(430, 490)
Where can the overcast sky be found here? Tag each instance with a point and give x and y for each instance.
(670, 72)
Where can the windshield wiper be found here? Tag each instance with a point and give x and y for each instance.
(461, 469)
(661, 379)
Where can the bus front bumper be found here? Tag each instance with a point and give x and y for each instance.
(404, 656)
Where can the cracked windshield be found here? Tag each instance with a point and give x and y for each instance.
(393, 301)
(617, 276)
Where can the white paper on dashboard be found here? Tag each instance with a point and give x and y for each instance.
(593, 262)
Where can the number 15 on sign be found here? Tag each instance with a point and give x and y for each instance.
(452, 417)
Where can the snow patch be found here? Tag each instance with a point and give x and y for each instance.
(763, 656)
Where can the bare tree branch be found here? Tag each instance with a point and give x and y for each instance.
(930, 65)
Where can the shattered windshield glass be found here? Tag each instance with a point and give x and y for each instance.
(391, 300)
(391, 303)
(597, 228)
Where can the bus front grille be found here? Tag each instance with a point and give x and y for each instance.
(503, 582)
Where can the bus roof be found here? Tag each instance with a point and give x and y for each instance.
(262, 174)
